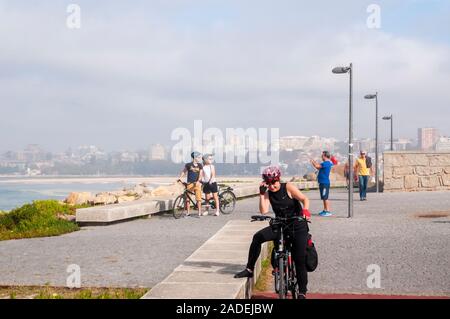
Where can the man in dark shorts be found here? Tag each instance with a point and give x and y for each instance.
(323, 179)
(210, 187)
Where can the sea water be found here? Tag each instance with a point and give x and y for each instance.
(17, 193)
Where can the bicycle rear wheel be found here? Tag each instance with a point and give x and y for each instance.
(295, 289)
(180, 207)
(227, 202)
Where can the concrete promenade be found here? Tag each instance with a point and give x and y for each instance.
(208, 272)
(413, 253)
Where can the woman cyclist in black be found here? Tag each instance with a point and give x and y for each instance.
(285, 200)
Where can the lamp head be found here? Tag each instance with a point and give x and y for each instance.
(341, 69)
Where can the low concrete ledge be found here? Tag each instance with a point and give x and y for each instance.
(208, 273)
(100, 215)
(124, 211)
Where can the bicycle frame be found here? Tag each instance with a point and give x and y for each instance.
(283, 256)
(187, 193)
(189, 199)
(285, 278)
(227, 201)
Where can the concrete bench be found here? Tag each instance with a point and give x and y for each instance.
(208, 273)
(124, 211)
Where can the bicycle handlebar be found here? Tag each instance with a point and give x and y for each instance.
(181, 182)
(262, 218)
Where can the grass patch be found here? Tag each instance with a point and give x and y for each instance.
(48, 292)
(39, 219)
(265, 278)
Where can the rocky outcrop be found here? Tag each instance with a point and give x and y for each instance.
(297, 179)
(311, 177)
(141, 191)
(79, 198)
(124, 199)
(416, 171)
(104, 199)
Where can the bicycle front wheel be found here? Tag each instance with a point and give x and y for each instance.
(180, 207)
(227, 202)
(282, 279)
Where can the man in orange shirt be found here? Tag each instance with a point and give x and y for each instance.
(363, 172)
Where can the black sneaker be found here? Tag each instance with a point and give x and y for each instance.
(244, 274)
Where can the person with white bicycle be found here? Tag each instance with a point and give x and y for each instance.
(210, 187)
(286, 201)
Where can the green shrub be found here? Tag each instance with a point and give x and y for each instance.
(39, 219)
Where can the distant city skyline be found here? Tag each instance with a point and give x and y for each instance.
(239, 155)
(159, 150)
(154, 147)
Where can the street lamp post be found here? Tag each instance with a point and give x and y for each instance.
(377, 169)
(391, 118)
(342, 70)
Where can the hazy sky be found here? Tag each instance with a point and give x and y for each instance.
(136, 70)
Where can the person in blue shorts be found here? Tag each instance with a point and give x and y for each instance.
(324, 181)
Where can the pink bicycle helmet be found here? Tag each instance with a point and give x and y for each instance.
(271, 174)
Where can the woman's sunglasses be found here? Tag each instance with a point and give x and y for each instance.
(271, 181)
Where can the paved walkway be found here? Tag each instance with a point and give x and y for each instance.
(413, 253)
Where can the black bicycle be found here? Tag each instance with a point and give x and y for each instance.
(187, 201)
(284, 274)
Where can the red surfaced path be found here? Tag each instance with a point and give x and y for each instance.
(271, 295)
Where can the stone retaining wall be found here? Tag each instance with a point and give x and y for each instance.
(416, 171)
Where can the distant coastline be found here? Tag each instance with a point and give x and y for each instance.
(4, 179)
(79, 179)
(16, 191)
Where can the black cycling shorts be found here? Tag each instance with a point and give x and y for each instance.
(210, 188)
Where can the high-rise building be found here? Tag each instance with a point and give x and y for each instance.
(157, 152)
(427, 138)
(443, 144)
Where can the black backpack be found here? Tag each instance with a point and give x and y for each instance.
(312, 258)
(369, 162)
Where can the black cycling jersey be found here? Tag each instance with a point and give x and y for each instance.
(283, 205)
